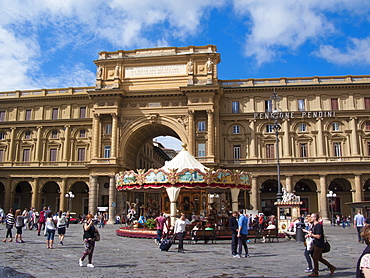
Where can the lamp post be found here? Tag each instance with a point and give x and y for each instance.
(70, 196)
(331, 195)
(277, 127)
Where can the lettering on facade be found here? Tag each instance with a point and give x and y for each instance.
(292, 115)
(155, 71)
(154, 104)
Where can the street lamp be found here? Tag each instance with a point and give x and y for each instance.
(331, 195)
(277, 127)
(70, 196)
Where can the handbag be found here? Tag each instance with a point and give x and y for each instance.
(97, 235)
(309, 243)
(326, 247)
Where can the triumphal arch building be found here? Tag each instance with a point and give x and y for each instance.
(53, 141)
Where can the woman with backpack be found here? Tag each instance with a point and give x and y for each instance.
(61, 225)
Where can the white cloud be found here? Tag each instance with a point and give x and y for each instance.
(357, 52)
(79, 24)
(282, 25)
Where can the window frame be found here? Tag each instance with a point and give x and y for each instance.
(235, 107)
(201, 152)
(201, 126)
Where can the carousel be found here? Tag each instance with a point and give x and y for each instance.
(182, 185)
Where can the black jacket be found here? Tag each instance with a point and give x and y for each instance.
(233, 224)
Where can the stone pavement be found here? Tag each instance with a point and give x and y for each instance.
(126, 257)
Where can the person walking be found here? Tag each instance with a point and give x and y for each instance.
(9, 221)
(180, 231)
(61, 226)
(233, 224)
(363, 263)
(41, 221)
(161, 222)
(317, 233)
(242, 234)
(89, 240)
(358, 223)
(19, 224)
(309, 244)
(50, 230)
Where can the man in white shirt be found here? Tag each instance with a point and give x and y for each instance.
(358, 223)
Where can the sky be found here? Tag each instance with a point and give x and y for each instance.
(52, 44)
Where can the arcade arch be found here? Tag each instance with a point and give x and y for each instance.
(342, 187)
(2, 195)
(50, 195)
(366, 189)
(22, 195)
(306, 189)
(80, 203)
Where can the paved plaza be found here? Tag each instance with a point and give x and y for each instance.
(127, 257)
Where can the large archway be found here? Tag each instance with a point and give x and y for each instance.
(50, 195)
(342, 188)
(268, 197)
(80, 203)
(2, 195)
(22, 195)
(136, 138)
(366, 189)
(306, 189)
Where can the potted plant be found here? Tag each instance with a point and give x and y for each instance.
(150, 224)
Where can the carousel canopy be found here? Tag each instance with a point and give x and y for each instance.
(182, 171)
(182, 161)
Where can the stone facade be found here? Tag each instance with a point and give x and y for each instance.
(57, 140)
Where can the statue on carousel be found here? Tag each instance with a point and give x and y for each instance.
(288, 197)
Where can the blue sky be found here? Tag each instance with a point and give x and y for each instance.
(51, 44)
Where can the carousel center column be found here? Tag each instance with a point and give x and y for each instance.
(234, 198)
(173, 194)
(112, 200)
(92, 194)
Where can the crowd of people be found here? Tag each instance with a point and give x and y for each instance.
(46, 222)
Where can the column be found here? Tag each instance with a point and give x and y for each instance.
(63, 191)
(211, 136)
(234, 198)
(38, 144)
(112, 200)
(320, 139)
(252, 148)
(96, 132)
(358, 188)
(288, 184)
(191, 132)
(323, 199)
(354, 139)
(11, 152)
(217, 147)
(66, 143)
(254, 193)
(8, 203)
(35, 193)
(114, 135)
(93, 194)
(286, 145)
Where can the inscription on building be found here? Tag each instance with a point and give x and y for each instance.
(291, 115)
(132, 72)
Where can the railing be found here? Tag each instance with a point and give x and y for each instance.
(296, 81)
(45, 92)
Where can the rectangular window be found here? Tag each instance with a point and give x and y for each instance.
(82, 112)
(54, 134)
(337, 149)
(27, 135)
(201, 150)
(106, 151)
(269, 128)
(201, 126)
(236, 152)
(367, 102)
(108, 129)
(336, 126)
(2, 135)
(2, 116)
(53, 155)
(301, 105)
(83, 133)
(1, 155)
(28, 114)
(235, 107)
(270, 151)
(236, 129)
(268, 105)
(302, 127)
(334, 104)
(55, 113)
(26, 155)
(81, 154)
(303, 150)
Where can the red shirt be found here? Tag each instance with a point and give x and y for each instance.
(160, 222)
